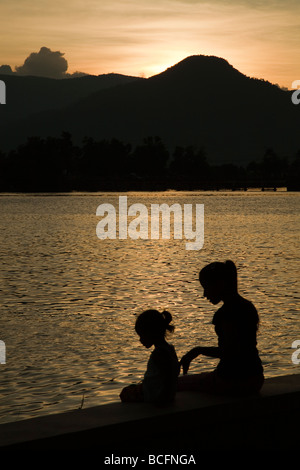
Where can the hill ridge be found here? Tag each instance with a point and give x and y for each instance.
(201, 101)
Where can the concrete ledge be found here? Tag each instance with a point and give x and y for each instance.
(195, 421)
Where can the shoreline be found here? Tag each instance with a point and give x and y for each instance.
(265, 421)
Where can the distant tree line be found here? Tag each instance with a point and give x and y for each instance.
(56, 164)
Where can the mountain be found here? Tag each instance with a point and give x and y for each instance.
(201, 101)
(27, 95)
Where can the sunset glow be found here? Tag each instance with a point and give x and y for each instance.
(143, 38)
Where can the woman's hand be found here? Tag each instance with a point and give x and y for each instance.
(187, 359)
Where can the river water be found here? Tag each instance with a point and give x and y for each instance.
(69, 300)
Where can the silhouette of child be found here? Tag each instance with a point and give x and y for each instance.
(236, 323)
(160, 379)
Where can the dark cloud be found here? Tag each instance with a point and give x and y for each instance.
(45, 63)
(5, 70)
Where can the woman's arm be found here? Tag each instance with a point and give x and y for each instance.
(212, 351)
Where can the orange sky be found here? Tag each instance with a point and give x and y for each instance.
(142, 37)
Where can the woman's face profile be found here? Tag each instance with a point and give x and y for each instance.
(212, 292)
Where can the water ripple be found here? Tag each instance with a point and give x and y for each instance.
(69, 301)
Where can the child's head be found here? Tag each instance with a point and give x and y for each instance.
(152, 326)
(218, 280)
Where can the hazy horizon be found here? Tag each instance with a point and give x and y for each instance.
(142, 38)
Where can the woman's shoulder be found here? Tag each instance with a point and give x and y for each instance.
(247, 307)
(245, 303)
(234, 309)
(238, 303)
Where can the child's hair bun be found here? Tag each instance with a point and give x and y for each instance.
(168, 318)
(153, 321)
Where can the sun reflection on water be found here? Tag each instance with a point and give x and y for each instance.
(69, 300)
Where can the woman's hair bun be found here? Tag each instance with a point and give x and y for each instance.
(231, 267)
(219, 270)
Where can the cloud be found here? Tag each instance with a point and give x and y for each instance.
(5, 70)
(75, 74)
(45, 63)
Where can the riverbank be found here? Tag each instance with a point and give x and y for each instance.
(194, 423)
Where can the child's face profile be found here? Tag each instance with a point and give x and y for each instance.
(146, 340)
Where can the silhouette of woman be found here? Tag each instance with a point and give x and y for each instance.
(160, 379)
(236, 323)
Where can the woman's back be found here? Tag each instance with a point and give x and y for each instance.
(236, 324)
